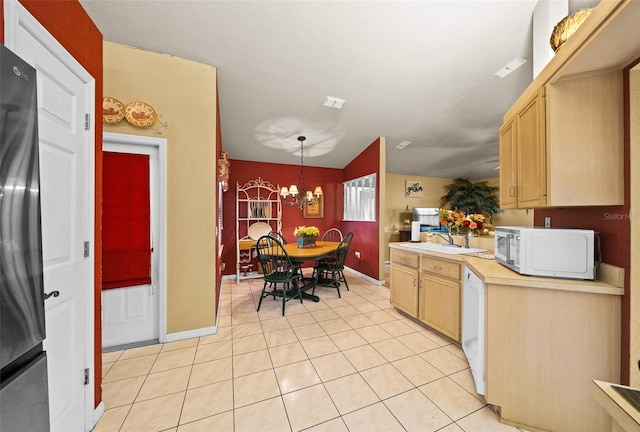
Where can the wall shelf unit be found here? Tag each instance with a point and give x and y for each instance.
(258, 211)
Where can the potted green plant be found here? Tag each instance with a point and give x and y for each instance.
(470, 197)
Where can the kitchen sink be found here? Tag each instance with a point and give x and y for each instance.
(436, 247)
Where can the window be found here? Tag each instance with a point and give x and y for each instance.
(360, 199)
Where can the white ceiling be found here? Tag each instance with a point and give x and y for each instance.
(420, 71)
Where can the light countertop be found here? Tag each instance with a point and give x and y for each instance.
(620, 410)
(492, 272)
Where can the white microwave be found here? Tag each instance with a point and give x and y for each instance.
(551, 252)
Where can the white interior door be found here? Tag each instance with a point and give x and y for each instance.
(65, 94)
(136, 314)
(131, 314)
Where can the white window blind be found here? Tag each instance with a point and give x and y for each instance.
(360, 199)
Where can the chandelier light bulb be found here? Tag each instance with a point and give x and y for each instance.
(300, 197)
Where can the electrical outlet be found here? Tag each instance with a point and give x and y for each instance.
(358, 254)
(547, 221)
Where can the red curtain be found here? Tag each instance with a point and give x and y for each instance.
(126, 229)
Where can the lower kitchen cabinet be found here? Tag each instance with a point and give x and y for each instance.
(428, 289)
(404, 282)
(544, 348)
(440, 296)
(440, 304)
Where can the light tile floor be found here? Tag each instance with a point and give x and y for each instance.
(350, 364)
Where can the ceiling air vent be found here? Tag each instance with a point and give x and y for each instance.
(333, 102)
(510, 67)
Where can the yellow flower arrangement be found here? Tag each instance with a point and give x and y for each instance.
(306, 231)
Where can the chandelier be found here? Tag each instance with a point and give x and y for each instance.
(299, 195)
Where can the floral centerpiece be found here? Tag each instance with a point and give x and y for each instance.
(460, 223)
(453, 220)
(306, 235)
(475, 223)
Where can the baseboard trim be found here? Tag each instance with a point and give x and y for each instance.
(130, 345)
(98, 412)
(364, 276)
(189, 334)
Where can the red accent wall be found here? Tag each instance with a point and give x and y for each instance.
(366, 238)
(612, 225)
(67, 21)
(330, 179)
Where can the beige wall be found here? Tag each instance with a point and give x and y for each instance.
(396, 202)
(634, 319)
(383, 254)
(184, 94)
(434, 189)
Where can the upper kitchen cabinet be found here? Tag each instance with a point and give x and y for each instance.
(585, 140)
(562, 142)
(522, 157)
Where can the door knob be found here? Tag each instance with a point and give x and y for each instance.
(51, 294)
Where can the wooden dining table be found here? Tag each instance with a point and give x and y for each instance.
(300, 255)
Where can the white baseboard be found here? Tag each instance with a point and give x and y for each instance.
(190, 334)
(364, 276)
(98, 412)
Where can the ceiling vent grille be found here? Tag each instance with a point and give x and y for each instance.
(403, 144)
(510, 67)
(333, 102)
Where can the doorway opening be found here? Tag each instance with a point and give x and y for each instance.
(136, 315)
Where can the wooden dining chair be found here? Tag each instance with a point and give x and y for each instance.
(329, 271)
(332, 234)
(281, 277)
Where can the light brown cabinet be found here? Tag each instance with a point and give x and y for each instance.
(522, 157)
(562, 141)
(585, 140)
(440, 296)
(404, 281)
(428, 289)
(542, 342)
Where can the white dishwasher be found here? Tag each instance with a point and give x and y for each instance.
(473, 332)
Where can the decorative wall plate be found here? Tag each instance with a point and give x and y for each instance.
(112, 110)
(258, 230)
(140, 114)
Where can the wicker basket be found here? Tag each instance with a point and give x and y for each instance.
(565, 28)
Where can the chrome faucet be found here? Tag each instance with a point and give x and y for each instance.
(448, 238)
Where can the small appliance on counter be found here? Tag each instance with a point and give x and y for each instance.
(550, 252)
(428, 218)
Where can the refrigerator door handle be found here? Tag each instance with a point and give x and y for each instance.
(51, 294)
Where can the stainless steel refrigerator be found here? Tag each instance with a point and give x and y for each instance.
(24, 400)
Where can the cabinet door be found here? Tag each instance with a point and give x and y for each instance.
(531, 154)
(440, 304)
(404, 289)
(508, 166)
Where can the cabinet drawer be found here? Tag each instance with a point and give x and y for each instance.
(443, 268)
(404, 258)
